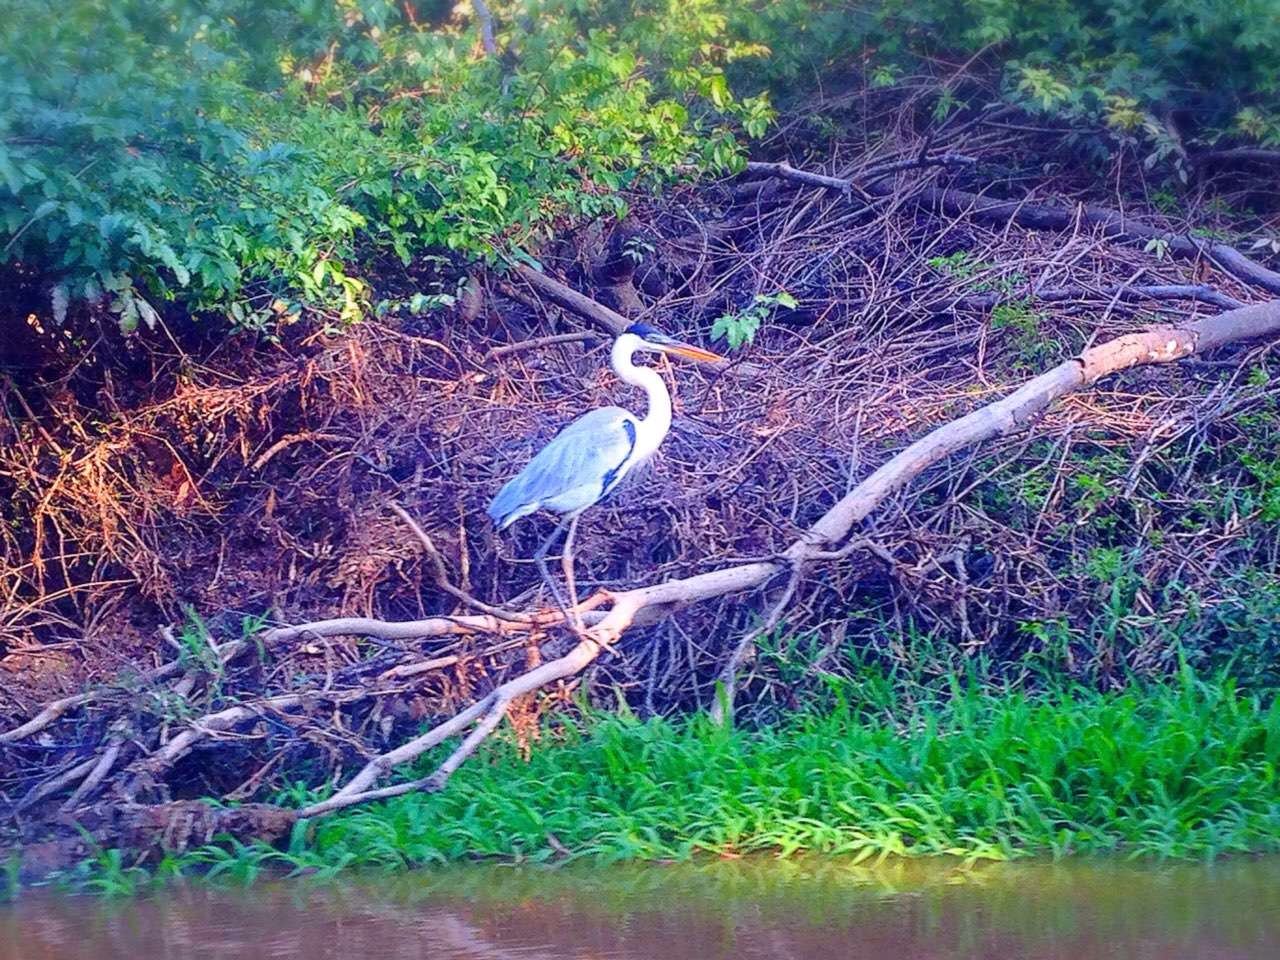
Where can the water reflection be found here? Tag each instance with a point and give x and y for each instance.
(733, 910)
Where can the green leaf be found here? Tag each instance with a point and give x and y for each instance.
(147, 313)
(58, 303)
(14, 180)
(128, 316)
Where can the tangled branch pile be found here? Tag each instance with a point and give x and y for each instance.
(1134, 524)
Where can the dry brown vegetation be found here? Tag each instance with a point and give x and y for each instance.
(257, 481)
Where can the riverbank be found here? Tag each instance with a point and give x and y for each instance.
(1182, 769)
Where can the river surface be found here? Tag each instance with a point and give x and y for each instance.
(730, 910)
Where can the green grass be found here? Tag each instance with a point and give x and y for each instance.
(1185, 769)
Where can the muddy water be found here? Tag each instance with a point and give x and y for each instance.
(735, 910)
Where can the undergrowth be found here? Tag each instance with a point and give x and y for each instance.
(1183, 769)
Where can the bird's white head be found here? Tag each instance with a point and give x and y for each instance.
(641, 336)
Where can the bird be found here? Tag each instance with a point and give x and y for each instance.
(587, 459)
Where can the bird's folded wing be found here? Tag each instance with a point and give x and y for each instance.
(591, 452)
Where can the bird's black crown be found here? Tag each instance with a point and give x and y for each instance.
(642, 330)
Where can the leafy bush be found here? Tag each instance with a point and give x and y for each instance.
(244, 156)
(1163, 71)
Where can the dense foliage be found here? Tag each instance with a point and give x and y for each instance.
(1167, 68)
(247, 158)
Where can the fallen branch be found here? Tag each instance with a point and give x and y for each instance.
(557, 292)
(787, 172)
(52, 711)
(1245, 154)
(1037, 216)
(590, 310)
(821, 542)
(51, 786)
(99, 773)
(1113, 224)
(917, 163)
(538, 343)
(747, 643)
(1171, 291)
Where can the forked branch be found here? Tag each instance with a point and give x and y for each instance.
(824, 541)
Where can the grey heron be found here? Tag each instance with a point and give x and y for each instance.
(587, 460)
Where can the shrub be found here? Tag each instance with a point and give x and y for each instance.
(246, 156)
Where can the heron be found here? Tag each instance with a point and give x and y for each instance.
(587, 460)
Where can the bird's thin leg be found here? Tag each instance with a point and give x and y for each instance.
(566, 560)
(541, 559)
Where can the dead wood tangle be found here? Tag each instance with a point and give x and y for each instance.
(996, 398)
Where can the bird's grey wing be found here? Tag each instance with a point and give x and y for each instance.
(582, 462)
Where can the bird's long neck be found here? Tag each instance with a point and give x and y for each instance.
(657, 421)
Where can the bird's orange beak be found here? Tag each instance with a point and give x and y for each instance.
(690, 352)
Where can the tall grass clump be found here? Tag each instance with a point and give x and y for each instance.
(1186, 769)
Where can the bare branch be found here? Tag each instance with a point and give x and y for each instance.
(539, 342)
(54, 784)
(729, 676)
(99, 773)
(442, 574)
(1244, 154)
(1169, 291)
(1036, 216)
